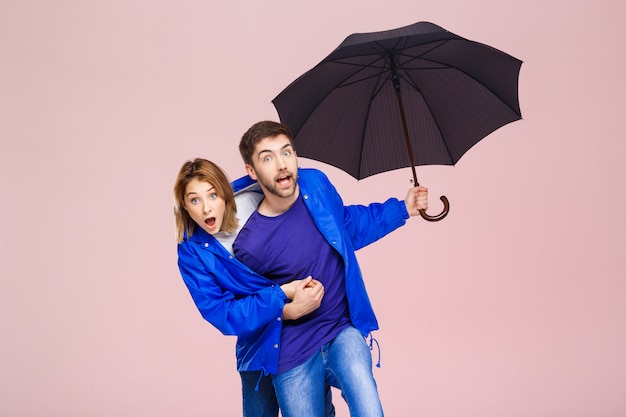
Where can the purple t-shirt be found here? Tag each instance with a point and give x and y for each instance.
(288, 247)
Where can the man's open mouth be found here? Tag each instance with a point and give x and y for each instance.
(283, 180)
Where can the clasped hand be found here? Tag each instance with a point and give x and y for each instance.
(305, 295)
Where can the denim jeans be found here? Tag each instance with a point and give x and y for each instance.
(259, 397)
(258, 401)
(344, 363)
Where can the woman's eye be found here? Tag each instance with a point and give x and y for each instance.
(212, 196)
(194, 201)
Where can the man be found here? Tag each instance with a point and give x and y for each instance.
(301, 228)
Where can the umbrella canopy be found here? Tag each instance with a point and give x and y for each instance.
(416, 95)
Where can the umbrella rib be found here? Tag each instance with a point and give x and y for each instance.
(416, 87)
(446, 66)
(374, 93)
(384, 68)
(434, 118)
(430, 110)
(361, 67)
(383, 53)
(340, 84)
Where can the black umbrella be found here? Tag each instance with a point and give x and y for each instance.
(349, 110)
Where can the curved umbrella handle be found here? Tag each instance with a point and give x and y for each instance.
(440, 216)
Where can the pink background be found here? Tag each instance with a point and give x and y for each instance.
(512, 306)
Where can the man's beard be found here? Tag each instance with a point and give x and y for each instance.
(274, 189)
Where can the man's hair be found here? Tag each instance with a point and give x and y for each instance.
(258, 132)
(207, 171)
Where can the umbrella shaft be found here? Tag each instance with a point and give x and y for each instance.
(396, 84)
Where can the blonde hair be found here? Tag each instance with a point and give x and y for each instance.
(203, 170)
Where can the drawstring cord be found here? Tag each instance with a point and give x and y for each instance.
(261, 375)
(372, 340)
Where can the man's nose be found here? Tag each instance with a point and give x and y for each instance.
(280, 162)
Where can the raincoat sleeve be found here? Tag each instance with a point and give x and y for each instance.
(367, 224)
(233, 312)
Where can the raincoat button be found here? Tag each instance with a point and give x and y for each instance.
(278, 318)
(206, 245)
(306, 196)
(230, 256)
(275, 345)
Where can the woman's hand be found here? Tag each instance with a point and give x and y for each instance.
(305, 295)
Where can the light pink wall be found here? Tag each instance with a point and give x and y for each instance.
(512, 306)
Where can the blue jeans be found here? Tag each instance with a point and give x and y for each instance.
(259, 397)
(258, 401)
(344, 363)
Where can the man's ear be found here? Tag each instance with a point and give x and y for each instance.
(251, 172)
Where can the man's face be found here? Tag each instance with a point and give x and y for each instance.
(204, 206)
(275, 166)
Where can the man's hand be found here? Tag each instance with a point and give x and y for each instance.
(307, 297)
(416, 200)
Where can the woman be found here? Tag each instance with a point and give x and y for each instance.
(228, 294)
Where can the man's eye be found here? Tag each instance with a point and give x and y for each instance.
(267, 158)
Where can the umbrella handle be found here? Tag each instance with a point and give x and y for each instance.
(440, 216)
